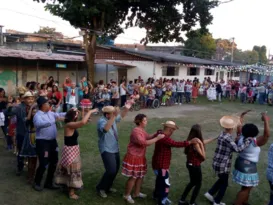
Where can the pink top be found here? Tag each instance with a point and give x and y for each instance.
(194, 91)
(137, 145)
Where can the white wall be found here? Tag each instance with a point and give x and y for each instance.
(143, 69)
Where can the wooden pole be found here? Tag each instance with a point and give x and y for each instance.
(37, 71)
(106, 73)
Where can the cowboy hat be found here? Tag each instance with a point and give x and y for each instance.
(170, 124)
(229, 122)
(28, 94)
(108, 109)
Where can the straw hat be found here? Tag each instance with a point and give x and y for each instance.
(108, 109)
(229, 122)
(170, 124)
(28, 94)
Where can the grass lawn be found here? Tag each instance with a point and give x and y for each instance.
(15, 191)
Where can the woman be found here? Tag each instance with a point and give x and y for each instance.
(195, 89)
(195, 156)
(43, 91)
(211, 93)
(3, 107)
(115, 94)
(123, 92)
(134, 164)
(50, 83)
(28, 148)
(66, 86)
(85, 103)
(69, 169)
(245, 173)
(56, 99)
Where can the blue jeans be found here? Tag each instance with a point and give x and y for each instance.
(243, 98)
(188, 97)
(271, 193)
(111, 163)
(19, 144)
(179, 97)
(174, 96)
(261, 98)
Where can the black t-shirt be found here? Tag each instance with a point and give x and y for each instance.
(3, 105)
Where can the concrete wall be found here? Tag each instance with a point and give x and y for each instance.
(27, 71)
(101, 73)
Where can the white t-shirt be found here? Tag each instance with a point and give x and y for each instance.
(122, 90)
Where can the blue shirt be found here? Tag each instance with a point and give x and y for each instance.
(107, 140)
(269, 171)
(45, 125)
(80, 87)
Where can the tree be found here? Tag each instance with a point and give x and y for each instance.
(262, 53)
(198, 44)
(244, 57)
(46, 30)
(162, 19)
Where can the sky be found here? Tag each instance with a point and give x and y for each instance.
(248, 21)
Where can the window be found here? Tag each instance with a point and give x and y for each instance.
(236, 74)
(193, 71)
(170, 71)
(209, 72)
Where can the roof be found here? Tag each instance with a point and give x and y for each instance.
(166, 57)
(34, 55)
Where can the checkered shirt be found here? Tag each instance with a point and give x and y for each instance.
(223, 153)
(163, 152)
(69, 154)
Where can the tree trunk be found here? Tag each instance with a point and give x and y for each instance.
(90, 52)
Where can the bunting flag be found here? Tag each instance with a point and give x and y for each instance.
(260, 69)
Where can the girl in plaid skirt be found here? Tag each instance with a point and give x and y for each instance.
(69, 170)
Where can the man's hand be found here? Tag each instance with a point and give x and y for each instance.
(265, 117)
(160, 136)
(195, 141)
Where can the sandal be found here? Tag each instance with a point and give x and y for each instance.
(74, 196)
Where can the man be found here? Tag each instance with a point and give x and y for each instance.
(180, 91)
(162, 160)
(109, 147)
(46, 143)
(72, 98)
(21, 112)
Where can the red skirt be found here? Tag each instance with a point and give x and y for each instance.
(85, 103)
(134, 166)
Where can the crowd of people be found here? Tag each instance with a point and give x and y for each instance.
(29, 123)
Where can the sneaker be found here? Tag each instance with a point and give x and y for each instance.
(183, 203)
(112, 190)
(129, 199)
(37, 187)
(221, 203)
(168, 202)
(141, 195)
(209, 197)
(102, 194)
(176, 103)
(180, 103)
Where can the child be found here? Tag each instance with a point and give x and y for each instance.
(11, 127)
(232, 93)
(250, 95)
(162, 160)
(195, 156)
(167, 96)
(86, 103)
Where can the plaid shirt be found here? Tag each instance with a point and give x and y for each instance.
(163, 152)
(223, 153)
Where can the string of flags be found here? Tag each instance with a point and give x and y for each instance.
(260, 69)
